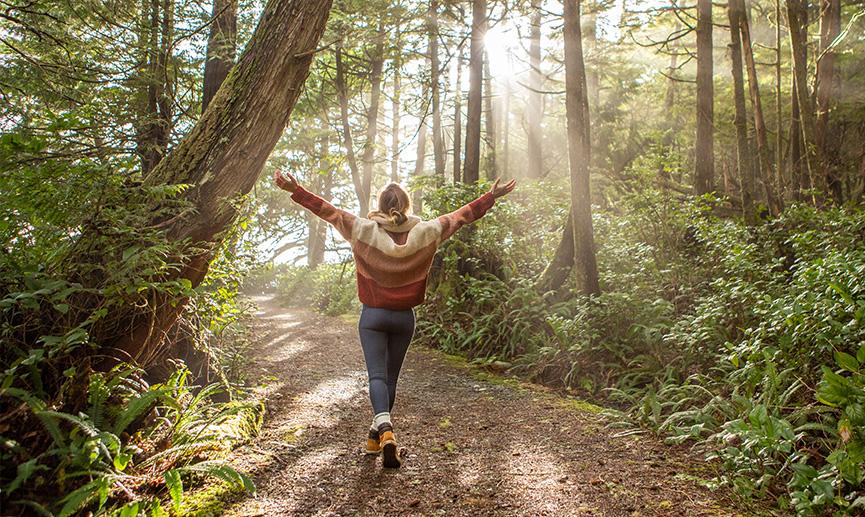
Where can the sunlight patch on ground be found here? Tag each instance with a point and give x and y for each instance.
(282, 337)
(282, 316)
(316, 407)
(536, 476)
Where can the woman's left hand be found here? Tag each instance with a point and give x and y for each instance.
(498, 191)
(285, 181)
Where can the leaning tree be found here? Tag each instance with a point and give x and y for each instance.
(221, 159)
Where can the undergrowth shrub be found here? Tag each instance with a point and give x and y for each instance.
(329, 288)
(747, 341)
(80, 247)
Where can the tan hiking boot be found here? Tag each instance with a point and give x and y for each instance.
(373, 446)
(390, 452)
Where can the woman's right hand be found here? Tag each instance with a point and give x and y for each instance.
(285, 181)
(499, 191)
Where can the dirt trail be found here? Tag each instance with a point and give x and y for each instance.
(474, 447)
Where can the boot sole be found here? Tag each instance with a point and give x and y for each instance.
(390, 456)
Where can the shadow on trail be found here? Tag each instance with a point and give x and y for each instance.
(473, 448)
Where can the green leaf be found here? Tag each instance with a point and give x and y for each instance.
(83, 495)
(847, 361)
(175, 488)
(156, 510)
(129, 252)
(121, 461)
(136, 407)
(130, 510)
(25, 470)
(860, 355)
(220, 470)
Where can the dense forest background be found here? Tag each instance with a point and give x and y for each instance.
(686, 243)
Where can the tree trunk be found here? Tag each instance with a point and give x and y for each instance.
(458, 117)
(317, 227)
(471, 167)
(535, 101)
(347, 138)
(156, 121)
(557, 271)
(579, 150)
(590, 34)
(492, 170)
(779, 139)
(740, 122)
(830, 27)
(417, 195)
(222, 158)
(797, 14)
(221, 48)
(395, 103)
(765, 160)
(704, 168)
(435, 72)
(368, 158)
(797, 173)
(506, 128)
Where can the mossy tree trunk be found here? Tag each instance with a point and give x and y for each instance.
(223, 155)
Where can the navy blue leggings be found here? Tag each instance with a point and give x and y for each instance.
(384, 336)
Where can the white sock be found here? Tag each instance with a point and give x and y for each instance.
(379, 419)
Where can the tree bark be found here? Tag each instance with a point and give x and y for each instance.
(762, 138)
(395, 105)
(797, 15)
(740, 122)
(797, 172)
(704, 168)
(830, 27)
(222, 158)
(155, 123)
(458, 118)
(492, 168)
(535, 101)
(417, 194)
(368, 158)
(471, 167)
(780, 187)
(579, 151)
(557, 271)
(590, 35)
(221, 48)
(318, 228)
(506, 128)
(347, 138)
(435, 72)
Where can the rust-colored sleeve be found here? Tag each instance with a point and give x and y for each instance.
(340, 219)
(465, 215)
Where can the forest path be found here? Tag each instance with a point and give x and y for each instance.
(474, 446)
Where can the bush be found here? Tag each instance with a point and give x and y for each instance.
(329, 288)
(80, 247)
(747, 340)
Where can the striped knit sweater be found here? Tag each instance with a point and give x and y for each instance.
(393, 261)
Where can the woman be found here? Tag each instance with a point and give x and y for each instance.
(393, 251)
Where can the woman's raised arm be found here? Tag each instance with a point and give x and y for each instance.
(473, 211)
(340, 219)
